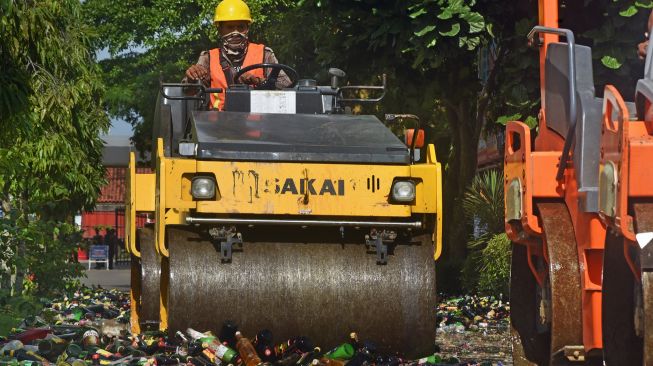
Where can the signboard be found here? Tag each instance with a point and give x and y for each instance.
(98, 252)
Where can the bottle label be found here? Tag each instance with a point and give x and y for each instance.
(221, 351)
(89, 333)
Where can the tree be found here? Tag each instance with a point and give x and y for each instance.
(428, 49)
(149, 43)
(52, 112)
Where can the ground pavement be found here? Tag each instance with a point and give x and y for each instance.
(117, 278)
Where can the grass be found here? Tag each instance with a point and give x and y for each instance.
(7, 321)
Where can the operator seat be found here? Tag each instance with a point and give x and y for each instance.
(586, 145)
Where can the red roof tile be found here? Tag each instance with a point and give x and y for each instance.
(114, 191)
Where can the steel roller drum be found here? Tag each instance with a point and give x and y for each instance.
(533, 345)
(621, 345)
(644, 223)
(300, 287)
(150, 276)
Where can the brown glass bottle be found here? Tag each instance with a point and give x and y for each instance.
(247, 351)
(329, 362)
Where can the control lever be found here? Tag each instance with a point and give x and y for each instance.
(335, 75)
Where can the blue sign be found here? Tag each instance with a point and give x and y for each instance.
(98, 253)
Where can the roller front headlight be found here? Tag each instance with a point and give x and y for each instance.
(403, 191)
(203, 188)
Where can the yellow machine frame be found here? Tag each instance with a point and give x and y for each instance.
(275, 188)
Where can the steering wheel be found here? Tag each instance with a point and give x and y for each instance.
(270, 82)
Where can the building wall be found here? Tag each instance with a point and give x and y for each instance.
(110, 208)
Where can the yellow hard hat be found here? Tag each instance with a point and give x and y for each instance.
(229, 10)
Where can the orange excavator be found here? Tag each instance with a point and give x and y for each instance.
(580, 213)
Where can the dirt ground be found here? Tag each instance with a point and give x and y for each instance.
(492, 344)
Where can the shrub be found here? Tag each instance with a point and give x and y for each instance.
(40, 252)
(487, 266)
(494, 266)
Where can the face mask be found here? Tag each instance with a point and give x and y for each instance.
(235, 42)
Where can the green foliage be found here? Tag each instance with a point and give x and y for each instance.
(52, 113)
(494, 266)
(610, 62)
(613, 32)
(152, 43)
(486, 268)
(50, 151)
(13, 309)
(45, 248)
(427, 48)
(483, 202)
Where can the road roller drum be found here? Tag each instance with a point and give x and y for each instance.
(323, 290)
(305, 221)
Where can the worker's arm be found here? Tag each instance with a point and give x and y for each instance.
(199, 71)
(641, 48)
(283, 81)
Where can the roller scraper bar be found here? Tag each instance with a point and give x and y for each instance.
(388, 224)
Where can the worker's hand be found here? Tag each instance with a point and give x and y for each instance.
(250, 79)
(197, 72)
(641, 50)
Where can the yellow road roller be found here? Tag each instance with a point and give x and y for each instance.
(286, 211)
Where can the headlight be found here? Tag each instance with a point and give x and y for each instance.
(403, 191)
(203, 188)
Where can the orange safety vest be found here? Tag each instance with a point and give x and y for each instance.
(255, 55)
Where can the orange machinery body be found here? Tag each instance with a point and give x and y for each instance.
(535, 168)
(530, 172)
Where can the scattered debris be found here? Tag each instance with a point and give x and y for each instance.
(91, 327)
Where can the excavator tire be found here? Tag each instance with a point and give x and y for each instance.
(542, 345)
(150, 274)
(323, 290)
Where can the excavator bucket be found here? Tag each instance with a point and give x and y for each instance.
(316, 223)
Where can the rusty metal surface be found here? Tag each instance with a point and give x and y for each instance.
(643, 215)
(150, 276)
(135, 293)
(644, 223)
(564, 276)
(621, 346)
(544, 348)
(647, 293)
(299, 287)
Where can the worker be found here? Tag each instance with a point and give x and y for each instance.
(217, 67)
(111, 240)
(641, 48)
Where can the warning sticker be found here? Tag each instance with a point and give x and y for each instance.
(266, 101)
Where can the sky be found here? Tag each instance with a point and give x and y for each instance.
(120, 130)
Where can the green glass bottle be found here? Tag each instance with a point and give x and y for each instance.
(344, 351)
(74, 350)
(226, 354)
(432, 359)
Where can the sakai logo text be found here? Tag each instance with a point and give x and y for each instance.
(311, 186)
